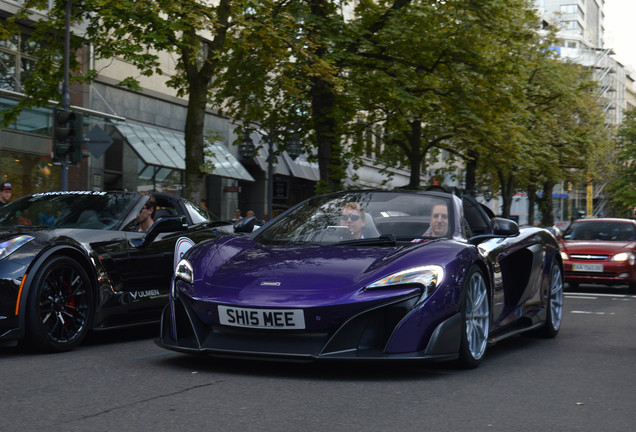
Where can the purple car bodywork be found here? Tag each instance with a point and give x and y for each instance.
(251, 297)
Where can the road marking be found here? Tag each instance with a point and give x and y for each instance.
(592, 313)
(152, 355)
(600, 295)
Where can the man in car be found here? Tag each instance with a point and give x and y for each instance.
(146, 214)
(353, 217)
(439, 221)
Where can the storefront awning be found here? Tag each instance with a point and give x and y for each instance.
(166, 148)
(302, 168)
(285, 165)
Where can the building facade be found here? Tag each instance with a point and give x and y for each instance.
(145, 147)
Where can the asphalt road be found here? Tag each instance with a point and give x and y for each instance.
(584, 380)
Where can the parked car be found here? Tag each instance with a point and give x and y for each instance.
(73, 261)
(600, 251)
(314, 284)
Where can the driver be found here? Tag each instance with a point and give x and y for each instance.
(146, 214)
(354, 218)
(439, 221)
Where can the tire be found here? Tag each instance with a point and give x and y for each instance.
(554, 306)
(60, 306)
(475, 310)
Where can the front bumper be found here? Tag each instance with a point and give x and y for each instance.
(367, 335)
(614, 273)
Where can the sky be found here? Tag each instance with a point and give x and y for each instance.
(620, 30)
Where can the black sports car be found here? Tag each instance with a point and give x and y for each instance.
(74, 261)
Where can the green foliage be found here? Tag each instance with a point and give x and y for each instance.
(474, 78)
(622, 188)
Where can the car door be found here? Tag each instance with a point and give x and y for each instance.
(149, 267)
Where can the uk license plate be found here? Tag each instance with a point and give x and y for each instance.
(587, 267)
(285, 319)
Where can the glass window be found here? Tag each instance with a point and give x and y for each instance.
(198, 214)
(7, 71)
(91, 210)
(29, 173)
(364, 216)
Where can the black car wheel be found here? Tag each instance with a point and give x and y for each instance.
(475, 319)
(60, 306)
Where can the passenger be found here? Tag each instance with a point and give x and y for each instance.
(353, 217)
(47, 217)
(23, 217)
(146, 214)
(439, 221)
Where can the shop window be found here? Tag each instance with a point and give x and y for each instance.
(29, 173)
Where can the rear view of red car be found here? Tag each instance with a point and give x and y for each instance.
(600, 251)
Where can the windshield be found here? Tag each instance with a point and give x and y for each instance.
(361, 216)
(601, 230)
(93, 210)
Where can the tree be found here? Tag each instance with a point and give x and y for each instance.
(292, 68)
(622, 188)
(195, 32)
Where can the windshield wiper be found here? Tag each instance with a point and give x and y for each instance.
(388, 239)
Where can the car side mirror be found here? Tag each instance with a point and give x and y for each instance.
(504, 227)
(163, 225)
(245, 225)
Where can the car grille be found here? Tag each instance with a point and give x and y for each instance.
(589, 257)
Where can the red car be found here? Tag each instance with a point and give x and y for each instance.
(600, 251)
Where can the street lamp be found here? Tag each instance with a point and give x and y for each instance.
(247, 150)
(294, 147)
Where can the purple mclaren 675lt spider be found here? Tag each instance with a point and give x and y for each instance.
(429, 275)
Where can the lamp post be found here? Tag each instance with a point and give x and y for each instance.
(247, 150)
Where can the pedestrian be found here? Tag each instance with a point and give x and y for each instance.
(5, 193)
(237, 215)
(634, 212)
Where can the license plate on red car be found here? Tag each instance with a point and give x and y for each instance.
(587, 267)
(287, 319)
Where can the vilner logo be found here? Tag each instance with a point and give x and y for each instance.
(143, 294)
(270, 283)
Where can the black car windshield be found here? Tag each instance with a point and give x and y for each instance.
(601, 230)
(351, 216)
(91, 209)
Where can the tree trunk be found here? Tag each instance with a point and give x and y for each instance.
(415, 157)
(545, 204)
(507, 193)
(194, 132)
(471, 169)
(327, 140)
(532, 197)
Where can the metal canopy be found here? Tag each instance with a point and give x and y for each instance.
(166, 148)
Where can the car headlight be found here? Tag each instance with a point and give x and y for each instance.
(429, 277)
(564, 256)
(184, 271)
(625, 256)
(10, 246)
